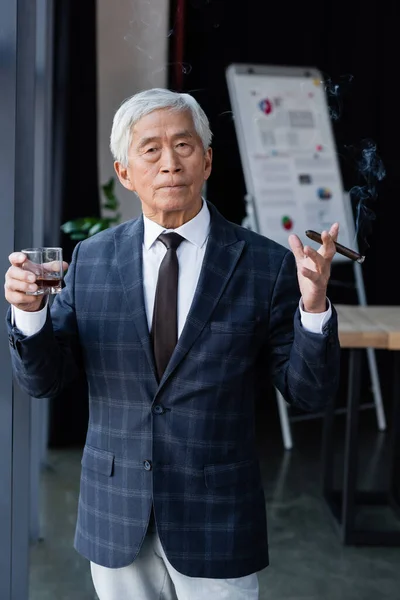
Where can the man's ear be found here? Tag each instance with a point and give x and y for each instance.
(207, 163)
(123, 176)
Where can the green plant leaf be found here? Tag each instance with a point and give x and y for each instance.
(109, 205)
(89, 222)
(108, 187)
(108, 190)
(100, 226)
(69, 227)
(80, 229)
(78, 225)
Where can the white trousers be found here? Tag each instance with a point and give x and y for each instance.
(152, 577)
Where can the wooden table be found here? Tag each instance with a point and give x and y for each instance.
(369, 326)
(362, 327)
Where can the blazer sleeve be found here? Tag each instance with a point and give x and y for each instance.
(48, 361)
(305, 366)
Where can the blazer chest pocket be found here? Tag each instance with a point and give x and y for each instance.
(100, 461)
(231, 474)
(233, 327)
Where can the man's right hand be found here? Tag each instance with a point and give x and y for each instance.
(19, 281)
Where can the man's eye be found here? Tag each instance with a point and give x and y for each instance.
(182, 144)
(151, 150)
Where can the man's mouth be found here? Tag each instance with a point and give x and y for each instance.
(172, 187)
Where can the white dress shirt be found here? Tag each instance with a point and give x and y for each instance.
(190, 255)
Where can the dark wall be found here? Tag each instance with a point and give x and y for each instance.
(75, 111)
(75, 180)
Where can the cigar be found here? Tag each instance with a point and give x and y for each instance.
(352, 254)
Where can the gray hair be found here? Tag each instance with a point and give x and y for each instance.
(143, 103)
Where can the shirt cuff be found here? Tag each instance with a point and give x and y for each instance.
(28, 323)
(314, 322)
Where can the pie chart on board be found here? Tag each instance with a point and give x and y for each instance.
(266, 106)
(324, 193)
(287, 223)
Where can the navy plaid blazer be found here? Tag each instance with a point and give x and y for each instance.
(186, 445)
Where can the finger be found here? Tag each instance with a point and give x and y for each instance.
(296, 246)
(20, 286)
(20, 274)
(20, 298)
(315, 256)
(55, 266)
(309, 274)
(22, 263)
(17, 258)
(334, 231)
(328, 245)
(27, 303)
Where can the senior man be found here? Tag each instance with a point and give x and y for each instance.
(175, 318)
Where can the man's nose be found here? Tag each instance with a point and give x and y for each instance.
(170, 163)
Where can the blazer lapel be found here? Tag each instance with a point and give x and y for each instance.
(222, 254)
(129, 255)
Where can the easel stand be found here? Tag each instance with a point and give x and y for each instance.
(251, 222)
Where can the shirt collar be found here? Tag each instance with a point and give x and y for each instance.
(194, 231)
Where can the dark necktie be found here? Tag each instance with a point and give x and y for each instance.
(164, 330)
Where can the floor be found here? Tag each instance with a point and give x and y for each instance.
(308, 562)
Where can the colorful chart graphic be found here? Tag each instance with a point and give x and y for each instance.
(287, 223)
(324, 193)
(266, 106)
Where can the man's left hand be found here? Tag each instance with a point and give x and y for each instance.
(314, 268)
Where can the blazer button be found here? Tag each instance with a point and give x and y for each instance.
(158, 409)
(147, 465)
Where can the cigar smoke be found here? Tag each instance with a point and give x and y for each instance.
(366, 164)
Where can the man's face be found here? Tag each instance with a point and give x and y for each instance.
(167, 164)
